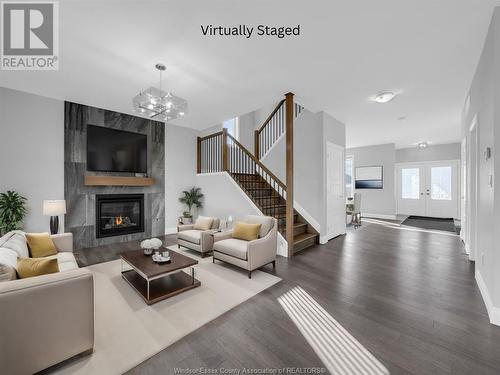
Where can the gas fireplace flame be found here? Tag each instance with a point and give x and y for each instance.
(118, 220)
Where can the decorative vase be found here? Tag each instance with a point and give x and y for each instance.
(148, 252)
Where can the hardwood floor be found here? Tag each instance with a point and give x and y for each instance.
(408, 296)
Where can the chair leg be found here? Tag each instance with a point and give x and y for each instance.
(178, 246)
(249, 274)
(213, 259)
(274, 264)
(203, 255)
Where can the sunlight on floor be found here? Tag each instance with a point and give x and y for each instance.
(401, 227)
(340, 352)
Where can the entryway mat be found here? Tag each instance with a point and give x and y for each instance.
(434, 223)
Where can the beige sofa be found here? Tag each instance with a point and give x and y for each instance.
(249, 255)
(198, 240)
(44, 319)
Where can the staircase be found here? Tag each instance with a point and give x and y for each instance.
(270, 203)
(220, 152)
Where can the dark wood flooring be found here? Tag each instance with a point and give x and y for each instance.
(409, 297)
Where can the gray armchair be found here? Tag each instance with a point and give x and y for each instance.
(249, 255)
(198, 240)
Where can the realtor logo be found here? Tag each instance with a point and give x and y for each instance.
(30, 35)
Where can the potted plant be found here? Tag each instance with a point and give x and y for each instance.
(12, 211)
(191, 198)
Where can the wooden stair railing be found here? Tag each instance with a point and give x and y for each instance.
(221, 152)
(273, 128)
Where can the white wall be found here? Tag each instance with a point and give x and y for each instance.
(180, 170)
(448, 151)
(485, 102)
(32, 151)
(376, 202)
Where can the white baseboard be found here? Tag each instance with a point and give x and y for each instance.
(378, 216)
(493, 312)
(170, 230)
(323, 239)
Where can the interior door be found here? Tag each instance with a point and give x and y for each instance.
(463, 191)
(442, 189)
(335, 190)
(410, 189)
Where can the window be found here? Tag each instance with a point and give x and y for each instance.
(349, 187)
(441, 183)
(410, 183)
(232, 127)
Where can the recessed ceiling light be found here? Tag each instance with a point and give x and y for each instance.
(422, 145)
(384, 97)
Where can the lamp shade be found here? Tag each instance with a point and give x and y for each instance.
(54, 207)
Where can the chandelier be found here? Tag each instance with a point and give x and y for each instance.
(159, 105)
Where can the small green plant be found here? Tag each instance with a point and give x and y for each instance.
(12, 211)
(191, 198)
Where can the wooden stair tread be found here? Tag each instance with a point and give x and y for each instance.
(303, 237)
(274, 206)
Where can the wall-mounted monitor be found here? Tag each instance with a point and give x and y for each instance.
(111, 150)
(369, 177)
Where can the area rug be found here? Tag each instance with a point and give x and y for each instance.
(447, 225)
(127, 331)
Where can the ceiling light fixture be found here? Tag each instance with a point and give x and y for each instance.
(384, 97)
(422, 145)
(158, 104)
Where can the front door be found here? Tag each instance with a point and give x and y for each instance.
(428, 189)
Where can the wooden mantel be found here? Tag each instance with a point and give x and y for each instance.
(118, 181)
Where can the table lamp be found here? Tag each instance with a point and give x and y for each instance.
(54, 208)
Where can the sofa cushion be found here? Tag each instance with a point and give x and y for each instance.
(40, 245)
(266, 223)
(233, 247)
(203, 223)
(30, 267)
(16, 240)
(66, 261)
(246, 231)
(191, 235)
(7, 273)
(8, 257)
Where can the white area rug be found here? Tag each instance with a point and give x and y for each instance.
(127, 331)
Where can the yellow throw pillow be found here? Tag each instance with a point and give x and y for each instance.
(203, 223)
(40, 245)
(29, 267)
(245, 231)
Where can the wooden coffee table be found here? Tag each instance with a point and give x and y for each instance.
(155, 282)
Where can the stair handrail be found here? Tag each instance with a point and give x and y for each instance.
(258, 163)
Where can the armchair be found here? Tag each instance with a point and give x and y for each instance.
(249, 255)
(195, 239)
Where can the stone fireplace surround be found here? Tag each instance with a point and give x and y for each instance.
(81, 200)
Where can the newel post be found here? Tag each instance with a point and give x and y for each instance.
(289, 170)
(198, 155)
(224, 150)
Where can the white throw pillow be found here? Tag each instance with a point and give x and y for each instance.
(203, 223)
(17, 242)
(8, 257)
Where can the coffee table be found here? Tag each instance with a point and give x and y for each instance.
(155, 282)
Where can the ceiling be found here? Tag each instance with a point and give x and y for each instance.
(425, 50)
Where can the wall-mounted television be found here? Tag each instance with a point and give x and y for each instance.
(111, 150)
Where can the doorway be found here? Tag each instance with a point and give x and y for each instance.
(335, 196)
(428, 189)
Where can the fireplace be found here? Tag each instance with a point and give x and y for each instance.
(118, 214)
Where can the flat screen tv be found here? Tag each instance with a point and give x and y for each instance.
(110, 150)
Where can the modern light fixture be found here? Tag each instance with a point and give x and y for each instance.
(384, 97)
(158, 104)
(54, 208)
(422, 145)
